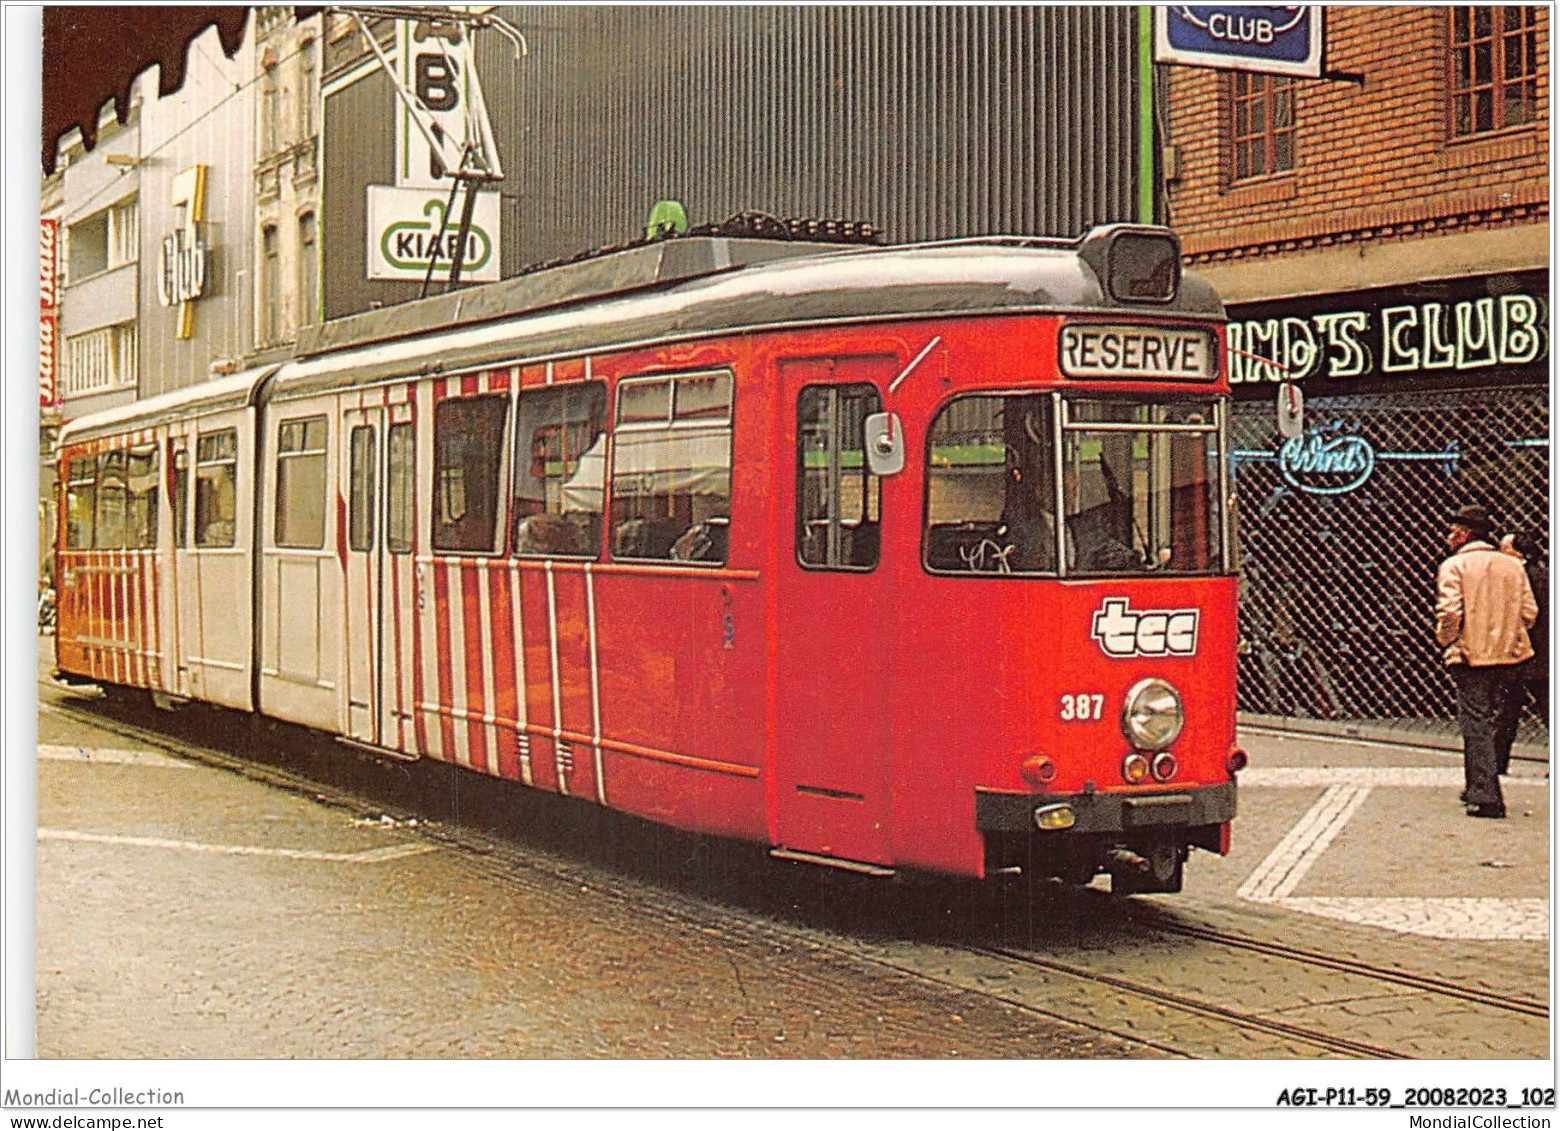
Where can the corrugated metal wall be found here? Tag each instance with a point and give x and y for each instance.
(929, 122)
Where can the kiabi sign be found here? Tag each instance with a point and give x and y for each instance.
(1426, 338)
(407, 227)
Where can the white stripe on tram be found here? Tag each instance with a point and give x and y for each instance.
(552, 642)
(595, 673)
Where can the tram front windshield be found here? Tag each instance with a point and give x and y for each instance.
(1137, 485)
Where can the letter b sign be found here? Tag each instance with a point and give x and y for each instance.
(437, 81)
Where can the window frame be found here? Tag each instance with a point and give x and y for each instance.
(283, 456)
(362, 490)
(1266, 138)
(230, 462)
(149, 536)
(669, 425)
(498, 527)
(401, 487)
(81, 478)
(1459, 20)
(540, 393)
(833, 558)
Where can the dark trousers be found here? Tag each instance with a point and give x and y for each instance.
(1525, 682)
(1480, 695)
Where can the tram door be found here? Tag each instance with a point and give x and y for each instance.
(363, 603)
(834, 600)
(378, 466)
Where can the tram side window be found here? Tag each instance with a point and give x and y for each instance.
(111, 488)
(141, 497)
(360, 518)
(181, 496)
(991, 487)
(560, 465)
(671, 468)
(400, 491)
(216, 488)
(468, 446)
(300, 483)
(80, 502)
(837, 497)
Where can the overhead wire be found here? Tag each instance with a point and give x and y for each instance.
(81, 210)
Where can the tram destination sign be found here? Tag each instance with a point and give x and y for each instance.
(1273, 39)
(1129, 352)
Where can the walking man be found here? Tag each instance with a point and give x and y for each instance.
(1483, 608)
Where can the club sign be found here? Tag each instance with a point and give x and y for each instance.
(1271, 39)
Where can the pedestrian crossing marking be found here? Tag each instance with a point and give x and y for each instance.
(1275, 879)
(110, 757)
(369, 856)
(1422, 777)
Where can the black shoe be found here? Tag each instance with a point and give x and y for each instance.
(1495, 811)
(1463, 797)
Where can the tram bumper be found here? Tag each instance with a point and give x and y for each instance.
(1107, 812)
(1141, 839)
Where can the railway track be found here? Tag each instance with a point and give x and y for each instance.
(502, 861)
(1531, 1007)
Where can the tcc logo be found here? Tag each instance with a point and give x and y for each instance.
(1123, 631)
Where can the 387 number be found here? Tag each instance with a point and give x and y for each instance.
(1082, 707)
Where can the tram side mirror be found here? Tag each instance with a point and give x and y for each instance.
(1291, 410)
(885, 443)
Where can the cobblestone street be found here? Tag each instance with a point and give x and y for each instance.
(188, 911)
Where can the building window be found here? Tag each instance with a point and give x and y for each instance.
(468, 450)
(671, 468)
(103, 241)
(100, 360)
(270, 285)
(837, 496)
(1494, 68)
(308, 91)
(268, 110)
(1262, 124)
(300, 483)
(560, 461)
(308, 269)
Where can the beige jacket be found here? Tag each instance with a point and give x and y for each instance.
(1483, 607)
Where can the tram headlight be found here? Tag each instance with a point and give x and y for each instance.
(1152, 716)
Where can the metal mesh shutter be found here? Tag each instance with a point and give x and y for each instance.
(1338, 589)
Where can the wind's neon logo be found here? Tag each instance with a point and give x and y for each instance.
(1326, 461)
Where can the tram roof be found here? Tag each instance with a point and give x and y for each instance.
(220, 395)
(645, 299)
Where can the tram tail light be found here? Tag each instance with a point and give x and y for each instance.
(1134, 768)
(1038, 770)
(1236, 760)
(1164, 766)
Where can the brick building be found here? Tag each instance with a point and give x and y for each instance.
(1381, 237)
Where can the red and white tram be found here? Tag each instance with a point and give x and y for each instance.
(896, 558)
